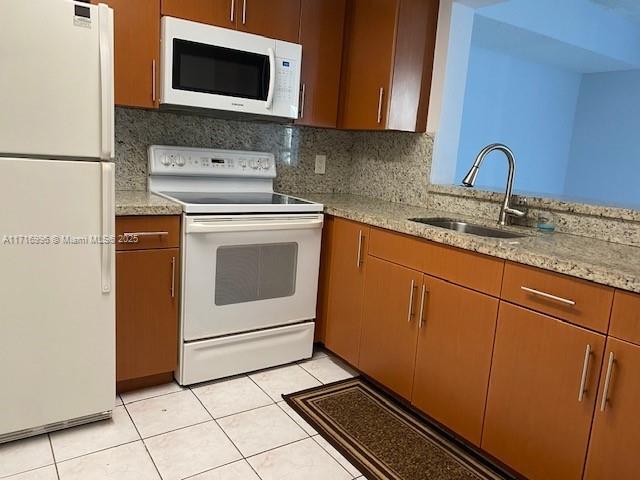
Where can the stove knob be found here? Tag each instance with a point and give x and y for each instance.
(243, 163)
(164, 160)
(254, 164)
(180, 161)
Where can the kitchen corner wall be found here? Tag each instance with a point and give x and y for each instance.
(386, 165)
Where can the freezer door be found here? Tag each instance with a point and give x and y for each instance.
(56, 79)
(57, 320)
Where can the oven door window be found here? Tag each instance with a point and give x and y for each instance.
(198, 67)
(248, 273)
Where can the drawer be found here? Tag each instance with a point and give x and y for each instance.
(577, 301)
(468, 269)
(221, 357)
(625, 317)
(147, 232)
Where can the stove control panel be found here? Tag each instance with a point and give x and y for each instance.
(186, 161)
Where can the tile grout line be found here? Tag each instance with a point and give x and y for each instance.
(337, 461)
(53, 455)
(182, 389)
(143, 442)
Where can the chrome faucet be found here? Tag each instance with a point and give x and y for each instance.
(470, 179)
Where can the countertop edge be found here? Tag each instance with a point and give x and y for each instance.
(499, 249)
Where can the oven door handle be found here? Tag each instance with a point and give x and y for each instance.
(221, 226)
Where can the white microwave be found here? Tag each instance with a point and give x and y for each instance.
(207, 67)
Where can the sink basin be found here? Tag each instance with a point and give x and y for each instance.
(464, 227)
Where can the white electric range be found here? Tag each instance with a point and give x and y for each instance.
(250, 260)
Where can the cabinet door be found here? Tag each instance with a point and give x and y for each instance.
(214, 12)
(136, 51)
(538, 415)
(321, 35)
(278, 19)
(453, 361)
(390, 324)
(613, 451)
(346, 285)
(368, 56)
(146, 312)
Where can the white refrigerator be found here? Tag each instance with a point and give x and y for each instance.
(57, 252)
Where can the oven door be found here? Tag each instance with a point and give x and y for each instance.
(244, 273)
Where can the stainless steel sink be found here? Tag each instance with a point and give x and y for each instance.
(464, 227)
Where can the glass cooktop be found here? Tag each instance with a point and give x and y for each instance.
(235, 198)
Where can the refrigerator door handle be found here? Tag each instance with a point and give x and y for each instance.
(105, 18)
(108, 225)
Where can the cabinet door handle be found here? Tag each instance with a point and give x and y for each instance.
(232, 16)
(607, 382)
(146, 234)
(153, 80)
(244, 12)
(302, 99)
(173, 277)
(422, 297)
(547, 295)
(585, 373)
(413, 287)
(380, 95)
(359, 258)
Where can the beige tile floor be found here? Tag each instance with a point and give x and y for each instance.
(232, 429)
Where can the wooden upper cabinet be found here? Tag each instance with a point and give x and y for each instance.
(214, 12)
(321, 36)
(137, 51)
(368, 56)
(146, 312)
(542, 393)
(390, 324)
(278, 19)
(387, 64)
(453, 361)
(613, 451)
(346, 286)
(625, 317)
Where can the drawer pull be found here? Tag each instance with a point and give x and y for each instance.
(585, 373)
(607, 382)
(380, 96)
(548, 295)
(410, 314)
(146, 234)
(422, 297)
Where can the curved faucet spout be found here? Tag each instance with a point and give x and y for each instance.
(470, 178)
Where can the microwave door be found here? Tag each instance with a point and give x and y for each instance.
(219, 77)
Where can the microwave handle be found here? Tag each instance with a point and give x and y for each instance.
(272, 77)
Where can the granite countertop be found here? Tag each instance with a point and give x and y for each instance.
(130, 202)
(603, 262)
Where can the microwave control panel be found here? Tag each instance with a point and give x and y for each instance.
(183, 161)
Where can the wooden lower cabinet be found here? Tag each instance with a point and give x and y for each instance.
(345, 290)
(453, 359)
(146, 312)
(390, 324)
(615, 436)
(536, 420)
